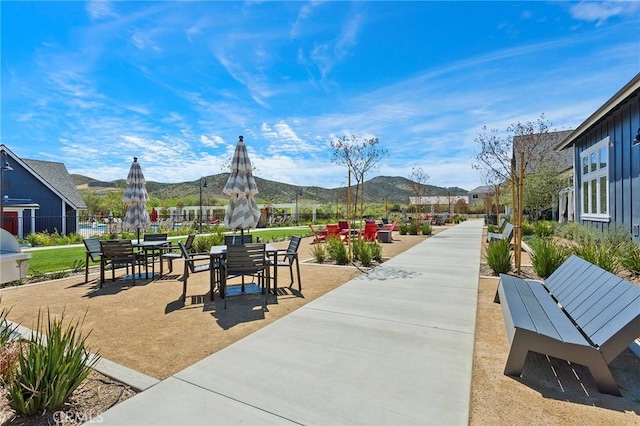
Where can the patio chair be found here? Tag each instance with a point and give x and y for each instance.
(118, 253)
(391, 227)
(333, 230)
(238, 240)
(318, 236)
(93, 252)
(194, 263)
(289, 257)
(245, 260)
(370, 232)
(170, 255)
(151, 254)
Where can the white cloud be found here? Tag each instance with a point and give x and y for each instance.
(601, 11)
(100, 9)
(211, 141)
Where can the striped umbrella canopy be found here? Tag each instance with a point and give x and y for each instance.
(243, 212)
(136, 197)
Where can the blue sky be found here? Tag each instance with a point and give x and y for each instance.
(93, 84)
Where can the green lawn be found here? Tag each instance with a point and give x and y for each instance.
(64, 258)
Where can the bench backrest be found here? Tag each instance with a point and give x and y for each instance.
(604, 306)
(507, 233)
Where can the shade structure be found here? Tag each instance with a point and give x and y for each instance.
(243, 212)
(136, 197)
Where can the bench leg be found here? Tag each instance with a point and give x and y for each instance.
(517, 355)
(603, 377)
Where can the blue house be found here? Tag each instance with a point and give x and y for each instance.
(38, 196)
(606, 158)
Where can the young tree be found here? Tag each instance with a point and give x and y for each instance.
(359, 155)
(542, 186)
(418, 183)
(523, 146)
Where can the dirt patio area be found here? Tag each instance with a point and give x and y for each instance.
(147, 328)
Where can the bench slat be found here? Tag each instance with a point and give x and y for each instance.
(598, 300)
(557, 281)
(533, 309)
(614, 317)
(562, 324)
(584, 290)
(519, 313)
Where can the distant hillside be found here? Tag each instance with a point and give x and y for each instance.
(377, 190)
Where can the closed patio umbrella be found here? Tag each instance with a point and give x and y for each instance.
(136, 197)
(243, 212)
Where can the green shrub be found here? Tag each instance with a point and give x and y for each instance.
(319, 252)
(630, 257)
(528, 228)
(543, 229)
(616, 235)
(376, 251)
(548, 255)
(364, 254)
(50, 368)
(576, 232)
(337, 250)
(204, 243)
(77, 265)
(413, 228)
(603, 255)
(426, 229)
(6, 329)
(492, 228)
(499, 256)
(403, 229)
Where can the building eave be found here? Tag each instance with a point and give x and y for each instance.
(601, 112)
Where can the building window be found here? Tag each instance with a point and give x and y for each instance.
(595, 181)
(474, 196)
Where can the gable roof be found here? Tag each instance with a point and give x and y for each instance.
(624, 93)
(55, 176)
(544, 148)
(482, 189)
(58, 177)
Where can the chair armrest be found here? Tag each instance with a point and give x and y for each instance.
(200, 256)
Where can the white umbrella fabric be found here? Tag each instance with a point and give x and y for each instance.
(243, 212)
(136, 197)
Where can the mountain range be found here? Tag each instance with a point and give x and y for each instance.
(379, 189)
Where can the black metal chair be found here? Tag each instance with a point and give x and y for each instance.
(92, 245)
(171, 255)
(193, 263)
(151, 254)
(287, 258)
(118, 253)
(238, 240)
(245, 260)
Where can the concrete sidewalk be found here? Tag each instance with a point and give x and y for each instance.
(394, 346)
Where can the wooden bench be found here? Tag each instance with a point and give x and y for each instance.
(506, 234)
(581, 314)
